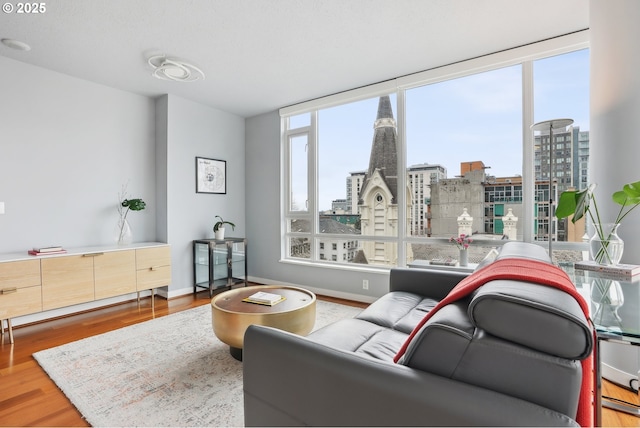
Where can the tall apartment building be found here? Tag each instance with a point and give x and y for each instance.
(420, 178)
(571, 158)
(354, 184)
(570, 150)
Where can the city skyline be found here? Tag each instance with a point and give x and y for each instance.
(471, 114)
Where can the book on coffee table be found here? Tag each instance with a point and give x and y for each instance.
(264, 298)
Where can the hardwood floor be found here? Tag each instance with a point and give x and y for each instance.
(29, 398)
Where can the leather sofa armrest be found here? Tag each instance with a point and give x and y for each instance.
(432, 283)
(290, 380)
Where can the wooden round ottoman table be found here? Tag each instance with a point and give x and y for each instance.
(231, 315)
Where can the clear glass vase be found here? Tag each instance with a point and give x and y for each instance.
(605, 246)
(607, 297)
(123, 234)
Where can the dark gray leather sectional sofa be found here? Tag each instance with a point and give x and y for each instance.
(507, 355)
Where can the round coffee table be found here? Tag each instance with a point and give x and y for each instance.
(231, 316)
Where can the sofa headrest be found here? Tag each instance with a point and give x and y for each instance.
(533, 315)
(523, 250)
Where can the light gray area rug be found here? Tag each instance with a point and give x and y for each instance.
(171, 371)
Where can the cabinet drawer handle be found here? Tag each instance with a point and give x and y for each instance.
(92, 255)
(9, 290)
(154, 267)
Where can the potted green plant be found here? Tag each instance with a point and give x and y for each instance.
(605, 245)
(218, 227)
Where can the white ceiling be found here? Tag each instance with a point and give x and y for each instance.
(260, 55)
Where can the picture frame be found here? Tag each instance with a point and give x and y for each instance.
(211, 175)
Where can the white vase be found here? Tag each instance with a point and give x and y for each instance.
(220, 234)
(606, 248)
(123, 234)
(464, 257)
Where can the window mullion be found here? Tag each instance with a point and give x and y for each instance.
(402, 178)
(528, 173)
(313, 183)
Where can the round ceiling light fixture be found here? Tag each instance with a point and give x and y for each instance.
(16, 44)
(174, 69)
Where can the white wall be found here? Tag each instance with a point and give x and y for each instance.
(68, 145)
(614, 145)
(615, 110)
(196, 130)
(66, 148)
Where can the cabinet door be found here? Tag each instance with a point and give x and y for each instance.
(238, 263)
(15, 302)
(22, 273)
(20, 291)
(115, 273)
(66, 281)
(153, 267)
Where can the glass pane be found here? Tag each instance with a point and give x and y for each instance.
(338, 250)
(561, 91)
(298, 225)
(201, 260)
(299, 247)
(299, 172)
(300, 121)
(220, 269)
(357, 176)
(238, 259)
(464, 140)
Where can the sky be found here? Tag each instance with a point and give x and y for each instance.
(477, 117)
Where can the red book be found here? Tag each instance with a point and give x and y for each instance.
(44, 253)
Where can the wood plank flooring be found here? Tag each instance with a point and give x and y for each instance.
(29, 398)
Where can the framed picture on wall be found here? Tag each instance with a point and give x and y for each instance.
(211, 176)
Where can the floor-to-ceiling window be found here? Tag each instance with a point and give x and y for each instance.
(386, 177)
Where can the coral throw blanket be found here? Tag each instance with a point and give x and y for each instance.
(530, 271)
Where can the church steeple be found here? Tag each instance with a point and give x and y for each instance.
(384, 154)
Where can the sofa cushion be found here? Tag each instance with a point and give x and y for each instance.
(361, 337)
(398, 310)
(542, 318)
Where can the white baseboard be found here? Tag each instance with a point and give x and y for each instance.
(322, 291)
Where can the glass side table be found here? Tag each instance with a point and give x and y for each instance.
(615, 311)
(219, 264)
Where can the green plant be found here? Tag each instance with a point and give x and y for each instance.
(221, 223)
(124, 207)
(583, 202)
(128, 204)
(133, 204)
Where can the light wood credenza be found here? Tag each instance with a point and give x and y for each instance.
(32, 284)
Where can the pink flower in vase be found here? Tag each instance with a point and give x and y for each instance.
(462, 241)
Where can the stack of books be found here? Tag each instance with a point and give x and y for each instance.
(43, 251)
(621, 271)
(444, 262)
(263, 298)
